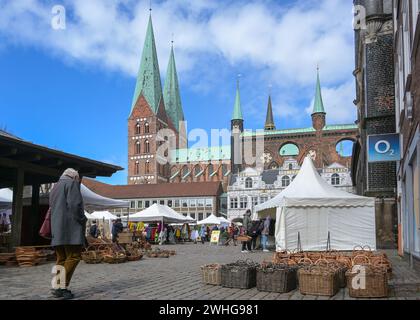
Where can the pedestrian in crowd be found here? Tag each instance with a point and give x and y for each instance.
(231, 235)
(247, 226)
(117, 228)
(94, 230)
(203, 234)
(68, 225)
(255, 232)
(265, 232)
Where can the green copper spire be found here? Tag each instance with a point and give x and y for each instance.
(148, 79)
(269, 120)
(318, 104)
(171, 93)
(237, 110)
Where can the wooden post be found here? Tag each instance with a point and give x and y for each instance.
(35, 212)
(17, 210)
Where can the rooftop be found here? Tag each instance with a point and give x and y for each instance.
(300, 130)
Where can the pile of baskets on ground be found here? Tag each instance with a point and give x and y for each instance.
(365, 273)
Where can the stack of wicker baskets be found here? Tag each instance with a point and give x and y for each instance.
(212, 274)
(240, 275)
(276, 278)
(28, 257)
(92, 255)
(8, 259)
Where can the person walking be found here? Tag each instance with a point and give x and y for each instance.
(265, 232)
(247, 225)
(255, 232)
(117, 228)
(203, 234)
(68, 225)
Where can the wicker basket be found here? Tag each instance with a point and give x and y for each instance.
(376, 283)
(240, 275)
(212, 274)
(340, 268)
(318, 281)
(276, 278)
(92, 255)
(244, 238)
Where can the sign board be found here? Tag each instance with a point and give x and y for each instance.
(215, 235)
(384, 148)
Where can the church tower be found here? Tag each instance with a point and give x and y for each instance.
(147, 117)
(269, 120)
(237, 128)
(318, 113)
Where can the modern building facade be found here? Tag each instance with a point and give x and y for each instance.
(252, 187)
(407, 116)
(375, 101)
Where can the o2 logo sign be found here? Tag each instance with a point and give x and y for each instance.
(384, 148)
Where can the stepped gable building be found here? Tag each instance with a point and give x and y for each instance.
(154, 109)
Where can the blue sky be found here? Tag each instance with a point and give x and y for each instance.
(72, 89)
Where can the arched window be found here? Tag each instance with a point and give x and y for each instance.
(146, 146)
(138, 147)
(197, 170)
(248, 183)
(335, 179)
(210, 170)
(147, 167)
(289, 149)
(146, 127)
(137, 168)
(290, 166)
(285, 181)
(184, 171)
(138, 128)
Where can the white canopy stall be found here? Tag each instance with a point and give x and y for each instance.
(93, 201)
(212, 219)
(158, 212)
(312, 208)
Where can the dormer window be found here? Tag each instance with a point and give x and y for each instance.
(248, 183)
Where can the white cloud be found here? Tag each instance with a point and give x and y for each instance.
(282, 44)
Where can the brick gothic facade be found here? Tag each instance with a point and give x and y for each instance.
(375, 103)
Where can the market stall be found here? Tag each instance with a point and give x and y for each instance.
(6, 196)
(311, 211)
(211, 220)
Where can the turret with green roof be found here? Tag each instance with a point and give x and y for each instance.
(237, 110)
(318, 113)
(148, 79)
(171, 93)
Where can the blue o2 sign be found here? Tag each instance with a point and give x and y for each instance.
(384, 148)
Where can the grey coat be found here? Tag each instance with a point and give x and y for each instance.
(247, 223)
(68, 221)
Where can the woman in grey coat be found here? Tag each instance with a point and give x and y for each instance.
(68, 225)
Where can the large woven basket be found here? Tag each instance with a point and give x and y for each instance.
(375, 283)
(212, 274)
(239, 275)
(92, 255)
(340, 268)
(276, 278)
(318, 281)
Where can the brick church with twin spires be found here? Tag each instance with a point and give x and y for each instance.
(154, 109)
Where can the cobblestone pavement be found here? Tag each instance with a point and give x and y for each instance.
(177, 277)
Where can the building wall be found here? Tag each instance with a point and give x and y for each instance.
(375, 101)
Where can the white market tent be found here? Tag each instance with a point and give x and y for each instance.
(93, 201)
(223, 220)
(212, 219)
(102, 215)
(312, 208)
(158, 212)
(6, 198)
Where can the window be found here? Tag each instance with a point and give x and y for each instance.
(244, 202)
(162, 202)
(209, 203)
(185, 214)
(285, 181)
(254, 201)
(146, 127)
(147, 204)
(290, 166)
(200, 203)
(210, 170)
(154, 201)
(170, 203)
(147, 146)
(138, 147)
(248, 183)
(197, 170)
(137, 168)
(140, 204)
(193, 203)
(192, 215)
(132, 204)
(263, 199)
(200, 216)
(335, 179)
(234, 203)
(147, 167)
(177, 203)
(289, 149)
(138, 128)
(185, 203)
(208, 214)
